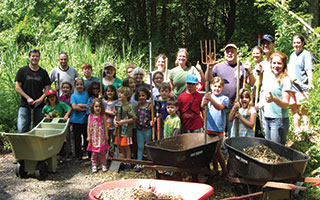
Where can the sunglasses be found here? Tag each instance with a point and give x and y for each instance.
(191, 83)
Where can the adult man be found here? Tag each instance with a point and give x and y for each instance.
(31, 83)
(66, 72)
(268, 45)
(227, 70)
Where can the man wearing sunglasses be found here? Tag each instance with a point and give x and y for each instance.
(31, 83)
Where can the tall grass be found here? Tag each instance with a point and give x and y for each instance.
(80, 52)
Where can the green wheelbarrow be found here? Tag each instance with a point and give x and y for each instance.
(36, 150)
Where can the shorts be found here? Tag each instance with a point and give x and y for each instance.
(218, 133)
(124, 141)
(299, 98)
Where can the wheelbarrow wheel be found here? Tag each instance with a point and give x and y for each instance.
(41, 171)
(20, 169)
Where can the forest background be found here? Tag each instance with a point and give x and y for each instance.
(99, 31)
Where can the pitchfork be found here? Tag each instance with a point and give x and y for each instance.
(210, 59)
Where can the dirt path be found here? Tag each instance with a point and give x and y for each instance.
(72, 181)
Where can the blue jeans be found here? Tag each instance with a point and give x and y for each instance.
(24, 118)
(142, 137)
(277, 129)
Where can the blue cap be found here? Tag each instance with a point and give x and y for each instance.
(192, 79)
(268, 37)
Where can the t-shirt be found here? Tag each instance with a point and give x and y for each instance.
(126, 111)
(58, 111)
(272, 110)
(116, 83)
(87, 82)
(229, 74)
(33, 83)
(110, 107)
(69, 75)
(79, 117)
(217, 118)
(298, 66)
(178, 76)
(171, 123)
(190, 108)
(65, 99)
(243, 129)
(143, 117)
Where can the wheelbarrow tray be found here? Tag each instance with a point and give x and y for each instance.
(185, 151)
(251, 168)
(186, 190)
(42, 142)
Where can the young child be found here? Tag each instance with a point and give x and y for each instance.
(66, 92)
(123, 121)
(87, 75)
(245, 113)
(97, 134)
(131, 83)
(190, 107)
(144, 121)
(157, 80)
(172, 121)
(161, 105)
(78, 118)
(110, 101)
(216, 118)
(65, 98)
(93, 92)
(54, 107)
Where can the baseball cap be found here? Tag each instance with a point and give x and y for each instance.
(192, 79)
(230, 45)
(109, 64)
(51, 92)
(267, 37)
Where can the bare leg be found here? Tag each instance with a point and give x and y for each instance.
(306, 120)
(296, 116)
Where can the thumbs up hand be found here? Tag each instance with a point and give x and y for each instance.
(270, 98)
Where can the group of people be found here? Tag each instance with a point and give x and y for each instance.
(113, 112)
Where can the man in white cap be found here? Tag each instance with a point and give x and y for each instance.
(227, 70)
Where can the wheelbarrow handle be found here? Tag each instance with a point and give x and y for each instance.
(247, 196)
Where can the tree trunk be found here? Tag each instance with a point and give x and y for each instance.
(164, 24)
(153, 18)
(314, 10)
(231, 20)
(142, 20)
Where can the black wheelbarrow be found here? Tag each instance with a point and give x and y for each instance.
(251, 168)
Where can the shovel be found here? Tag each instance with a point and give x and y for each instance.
(115, 165)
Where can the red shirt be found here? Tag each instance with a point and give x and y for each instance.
(190, 108)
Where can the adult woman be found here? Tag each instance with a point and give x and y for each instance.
(109, 76)
(160, 64)
(277, 96)
(179, 74)
(300, 72)
(138, 74)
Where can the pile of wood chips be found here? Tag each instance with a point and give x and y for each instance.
(264, 154)
(136, 193)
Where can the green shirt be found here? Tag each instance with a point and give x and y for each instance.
(126, 112)
(58, 111)
(170, 124)
(178, 77)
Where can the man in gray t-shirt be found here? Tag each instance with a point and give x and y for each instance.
(67, 73)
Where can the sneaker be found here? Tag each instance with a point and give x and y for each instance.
(138, 168)
(104, 168)
(94, 169)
